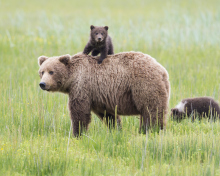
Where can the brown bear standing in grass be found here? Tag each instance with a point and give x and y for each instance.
(196, 107)
(133, 81)
(99, 42)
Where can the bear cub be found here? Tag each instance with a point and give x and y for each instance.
(196, 107)
(99, 42)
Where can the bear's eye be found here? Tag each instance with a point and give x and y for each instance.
(96, 33)
(42, 72)
(50, 72)
(102, 33)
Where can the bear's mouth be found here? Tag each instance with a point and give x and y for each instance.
(99, 41)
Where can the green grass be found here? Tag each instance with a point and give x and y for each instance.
(35, 135)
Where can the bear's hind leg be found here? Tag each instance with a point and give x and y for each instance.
(110, 121)
(110, 50)
(151, 119)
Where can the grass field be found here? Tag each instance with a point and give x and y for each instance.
(35, 134)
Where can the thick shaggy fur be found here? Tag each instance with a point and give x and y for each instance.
(133, 81)
(196, 107)
(99, 42)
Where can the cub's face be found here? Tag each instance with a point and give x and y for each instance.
(99, 33)
(176, 114)
(53, 72)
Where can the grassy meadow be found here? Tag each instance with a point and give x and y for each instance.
(35, 131)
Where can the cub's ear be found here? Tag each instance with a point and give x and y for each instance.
(65, 59)
(106, 28)
(174, 111)
(41, 59)
(92, 27)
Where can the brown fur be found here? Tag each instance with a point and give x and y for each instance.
(133, 81)
(99, 42)
(197, 107)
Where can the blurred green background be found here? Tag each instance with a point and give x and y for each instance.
(35, 138)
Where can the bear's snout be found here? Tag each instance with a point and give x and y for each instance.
(42, 85)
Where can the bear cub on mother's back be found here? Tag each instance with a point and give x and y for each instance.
(99, 42)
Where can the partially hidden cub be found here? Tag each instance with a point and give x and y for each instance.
(196, 107)
(99, 42)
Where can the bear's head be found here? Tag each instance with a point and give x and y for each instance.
(98, 34)
(176, 114)
(54, 72)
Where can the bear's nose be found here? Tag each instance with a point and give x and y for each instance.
(99, 38)
(42, 85)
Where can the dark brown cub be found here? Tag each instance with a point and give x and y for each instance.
(99, 42)
(196, 107)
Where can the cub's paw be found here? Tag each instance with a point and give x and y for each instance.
(99, 61)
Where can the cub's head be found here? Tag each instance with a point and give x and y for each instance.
(98, 33)
(177, 114)
(54, 72)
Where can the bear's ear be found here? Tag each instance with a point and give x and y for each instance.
(92, 27)
(174, 109)
(65, 59)
(106, 28)
(41, 59)
(173, 112)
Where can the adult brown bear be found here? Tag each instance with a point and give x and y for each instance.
(133, 81)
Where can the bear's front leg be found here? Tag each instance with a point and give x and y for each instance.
(80, 115)
(103, 55)
(88, 48)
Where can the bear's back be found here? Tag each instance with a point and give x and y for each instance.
(201, 105)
